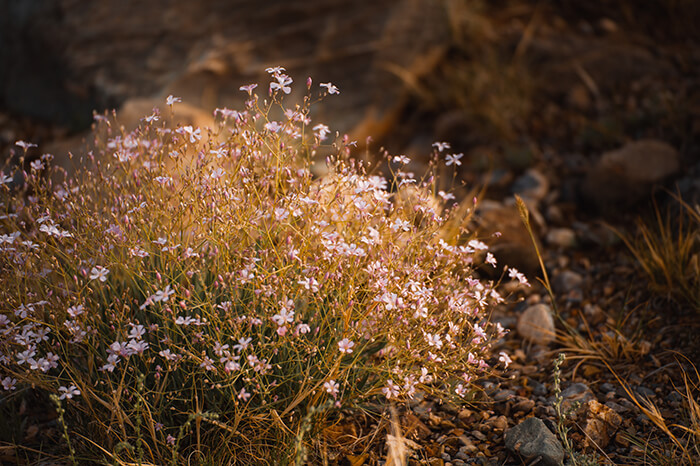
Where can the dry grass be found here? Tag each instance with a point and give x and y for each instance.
(668, 250)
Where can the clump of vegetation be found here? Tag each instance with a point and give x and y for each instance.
(668, 249)
(198, 295)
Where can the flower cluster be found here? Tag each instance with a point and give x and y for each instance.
(213, 264)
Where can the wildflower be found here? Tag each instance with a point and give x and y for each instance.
(195, 134)
(37, 165)
(490, 259)
(243, 344)
(69, 392)
(402, 159)
(168, 355)
(99, 273)
(163, 295)
(243, 395)
(453, 159)
(136, 251)
(249, 88)
(433, 340)
(137, 346)
(273, 126)
(137, 331)
(460, 390)
(282, 84)
(345, 346)
(513, 273)
(275, 70)
(309, 283)
(171, 100)
(505, 359)
(219, 349)
(207, 364)
(25, 145)
(283, 317)
(170, 440)
(331, 387)
(25, 356)
(391, 390)
(303, 329)
(440, 146)
(8, 383)
(5, 179)
(322, 131)
(330, 88)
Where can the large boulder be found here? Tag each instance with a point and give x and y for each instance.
(534, 443)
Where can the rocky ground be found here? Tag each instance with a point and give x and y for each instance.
(584, 112)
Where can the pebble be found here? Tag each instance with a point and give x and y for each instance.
(536, 324)
(532, 185)
(561, 237)
(576, 393)
(566, 281)
(503, 395)
(531, 439)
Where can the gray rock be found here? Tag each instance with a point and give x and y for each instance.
(532, 440)
(566, 281)
(576, 393)
(561, 237)
(536, 324)
(626, 176)
(532, 185)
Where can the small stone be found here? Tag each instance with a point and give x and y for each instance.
(561, 237)
(566, 281)
(645, 392)
(524, 406)
(532, 185)
(499, 423)
(503, 395)
(601, 424)
(532, 440)
(576, 393)
(625, 176)
(536, 324)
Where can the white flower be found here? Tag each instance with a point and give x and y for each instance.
(345, 346)
(331, 387)
(75, 311)
(453, 159)
(112, 361)
(330, 88)
(99, 273)
(440, 146)
(69, 392)
(505, 359)
(171, 100)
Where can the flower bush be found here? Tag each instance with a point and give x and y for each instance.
(198, 291)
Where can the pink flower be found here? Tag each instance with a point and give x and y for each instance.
(331, 387)
(391, 390)
(249, 88)
(243, 395)
(8, 383)
(330, 88)
(345, 346)
(505, 359)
